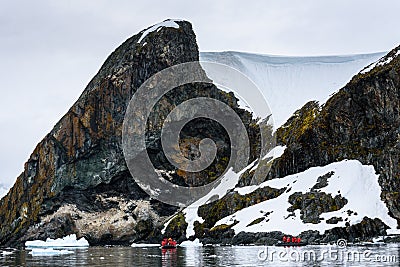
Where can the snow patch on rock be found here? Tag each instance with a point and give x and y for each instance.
(381, 62)
(351, 179)
(166, 23)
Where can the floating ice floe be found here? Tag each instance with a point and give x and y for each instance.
(195, 243)
(49, 252)
(5, 253)
(68, 241)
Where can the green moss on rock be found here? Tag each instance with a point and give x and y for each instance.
(233, 202)
(256, 221)
(177, 227)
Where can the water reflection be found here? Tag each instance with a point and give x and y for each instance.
(202, 256)
(169, 257)
(193, 256)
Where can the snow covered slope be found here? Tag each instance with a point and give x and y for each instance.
(349, 179)
(289, 82)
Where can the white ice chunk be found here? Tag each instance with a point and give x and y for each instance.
(68, 241)
(195, 243)
(5, 253)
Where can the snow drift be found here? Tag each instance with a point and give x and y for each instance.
(289, 82)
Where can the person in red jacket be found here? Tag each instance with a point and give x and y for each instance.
(284, 239)
(171, 242)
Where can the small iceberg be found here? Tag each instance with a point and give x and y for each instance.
(49, 252)
(188, 243)
(6, 253)
(69, 241)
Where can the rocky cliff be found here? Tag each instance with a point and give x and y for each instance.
(77, 181)
(360, 122)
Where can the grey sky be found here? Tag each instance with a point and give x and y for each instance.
(49, 50)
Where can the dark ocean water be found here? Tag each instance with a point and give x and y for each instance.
(361, 255)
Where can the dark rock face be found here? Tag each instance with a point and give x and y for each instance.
(313, 204)
(77, 181)
(226, 236)
(221, 234)
(322, 181)
(362, 231)
(177, 227)
(334, 220)
(232, 202)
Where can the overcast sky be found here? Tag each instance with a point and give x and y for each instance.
(49, 50)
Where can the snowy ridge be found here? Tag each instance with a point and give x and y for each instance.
(382, 61)
(289, 82)
(166, 23)
(351, 180)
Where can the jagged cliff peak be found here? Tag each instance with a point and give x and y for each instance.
(76, 181)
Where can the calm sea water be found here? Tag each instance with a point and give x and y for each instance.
(364, 255)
